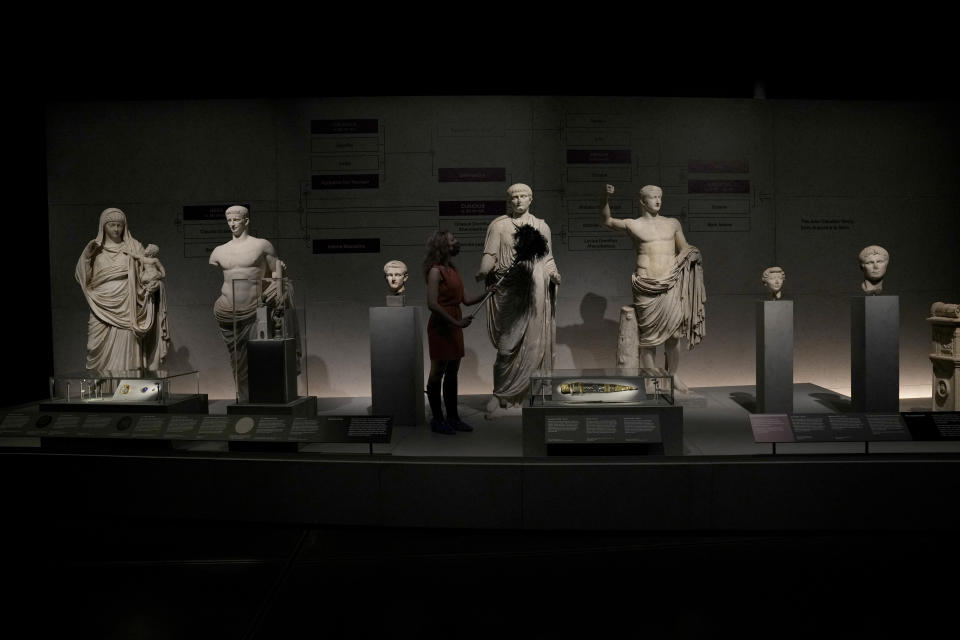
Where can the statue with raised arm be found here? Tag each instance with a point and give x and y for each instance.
(668, 291)
(520, 313)
(246, 261)
(127, 329)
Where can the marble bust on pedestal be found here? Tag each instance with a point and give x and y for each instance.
(773, 279)
(873, 262)
(395, 273)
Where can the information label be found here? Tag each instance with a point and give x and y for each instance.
(718, 186)
(810, 428)
(465, 208)
(305, 430)
(151, 427)
(14, 424)
(847, 427)
(213, 426)
(345, 126)
(370, 428)
(933, 425)
(345, 181)
(598, 156)
(771, 427)
(271, 428)
(346, 245)
(886, 426)
(182, 428)
(602, 428)
(486, 174)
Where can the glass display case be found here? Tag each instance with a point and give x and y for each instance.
(559, 387)
(269, 341)
(137, 386)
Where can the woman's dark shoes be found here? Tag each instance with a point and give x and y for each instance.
(459, 425)
(441, 426)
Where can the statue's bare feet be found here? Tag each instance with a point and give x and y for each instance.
(679, 386)
(493, 408)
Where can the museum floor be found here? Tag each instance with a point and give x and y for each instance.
(820, 539)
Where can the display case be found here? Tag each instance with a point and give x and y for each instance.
(269, 335)
(558, 387)
(126, 390)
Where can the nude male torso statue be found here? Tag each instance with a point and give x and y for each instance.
(245, 261)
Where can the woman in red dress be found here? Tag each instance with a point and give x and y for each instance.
(445, 329)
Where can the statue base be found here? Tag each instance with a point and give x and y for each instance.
(875, 353)
(396, 364)
(775, 356)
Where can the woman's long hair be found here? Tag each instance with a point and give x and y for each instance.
(437, 251)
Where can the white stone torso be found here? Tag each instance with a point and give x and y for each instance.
(655, 240)
(242, 260)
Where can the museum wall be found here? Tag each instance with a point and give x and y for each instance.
(800, 184)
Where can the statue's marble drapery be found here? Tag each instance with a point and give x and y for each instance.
(521, 314)
(127, 328)
(672, 306)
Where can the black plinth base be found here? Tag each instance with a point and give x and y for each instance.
(301, 407)
(247, 445)
(103, 445)
(176, 403)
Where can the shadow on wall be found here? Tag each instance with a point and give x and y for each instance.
(178, 360)
(320, 383)
(592, 343)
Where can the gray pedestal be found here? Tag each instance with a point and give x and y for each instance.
(396, 364)
(775, 356)
(875, 353)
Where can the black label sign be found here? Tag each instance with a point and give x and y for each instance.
(461, 208)
(490, 174)
(344, 125)
(346, 245)
(207, 212)
(348, 181)
(598, 156)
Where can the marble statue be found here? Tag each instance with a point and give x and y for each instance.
(945, 325)
(395, 273)
(245, 260)
(668, 291)
(127, 329)
(773, 279)
(873, 262)
(520, 312)
(152, 272)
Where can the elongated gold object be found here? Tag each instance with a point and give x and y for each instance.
(574, 388)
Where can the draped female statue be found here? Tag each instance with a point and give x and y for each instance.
(127, 328)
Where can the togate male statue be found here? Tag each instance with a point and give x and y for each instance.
(124, 287)
(668, 292)
(520, 314)
(773, 279)
(873, 262)
(244, 260)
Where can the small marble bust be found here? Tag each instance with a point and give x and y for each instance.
(873, 262)
(773, 279)
(395, 273)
